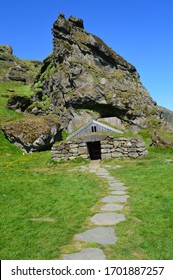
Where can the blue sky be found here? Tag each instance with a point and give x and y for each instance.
(139, 30)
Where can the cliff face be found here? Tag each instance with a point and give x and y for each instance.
(84, 78)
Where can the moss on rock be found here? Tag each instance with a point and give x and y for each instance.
(33, 133)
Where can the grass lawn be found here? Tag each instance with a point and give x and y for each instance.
(148, 231)
(6, 90)
(42, 205)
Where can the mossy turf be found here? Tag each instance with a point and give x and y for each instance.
(6, 91)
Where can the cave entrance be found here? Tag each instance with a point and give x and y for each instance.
(94, 149)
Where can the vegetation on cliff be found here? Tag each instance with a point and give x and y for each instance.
(14, 69)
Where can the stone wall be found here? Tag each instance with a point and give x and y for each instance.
(122, 147)
(70, 150)
(110, 148)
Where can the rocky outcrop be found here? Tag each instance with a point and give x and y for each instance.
(33, 133)
(15, 69)
(110, 148)
(83, 73)
(161, 140)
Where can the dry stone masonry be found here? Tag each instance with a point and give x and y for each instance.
(69, 150)
(110, 148)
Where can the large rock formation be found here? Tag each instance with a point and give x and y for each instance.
(83, 76)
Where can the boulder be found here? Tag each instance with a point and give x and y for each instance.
(33, 133)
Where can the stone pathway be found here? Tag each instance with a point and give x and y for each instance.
(103, 231)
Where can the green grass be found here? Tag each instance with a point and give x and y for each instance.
(6, 114)
(6, 90)
(34, 188)
(167, 136)
(9, 88)
(147, 232)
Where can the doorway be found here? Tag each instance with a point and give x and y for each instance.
(94, 149)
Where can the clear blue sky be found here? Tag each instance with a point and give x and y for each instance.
(139, 30)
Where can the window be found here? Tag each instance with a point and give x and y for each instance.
(93, 128)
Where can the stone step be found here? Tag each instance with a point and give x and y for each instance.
(112, 207)
(113, 198)
(118, 188)
(101, 235)
(107, 219)
(118, 192)
(116, 184)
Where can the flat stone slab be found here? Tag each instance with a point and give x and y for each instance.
(113, 180)
(107, 219)
(113, 198)
(118, 192)
(117, 188)
(87, 254)
(101, 235)
(116, 184)
(112, 207)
